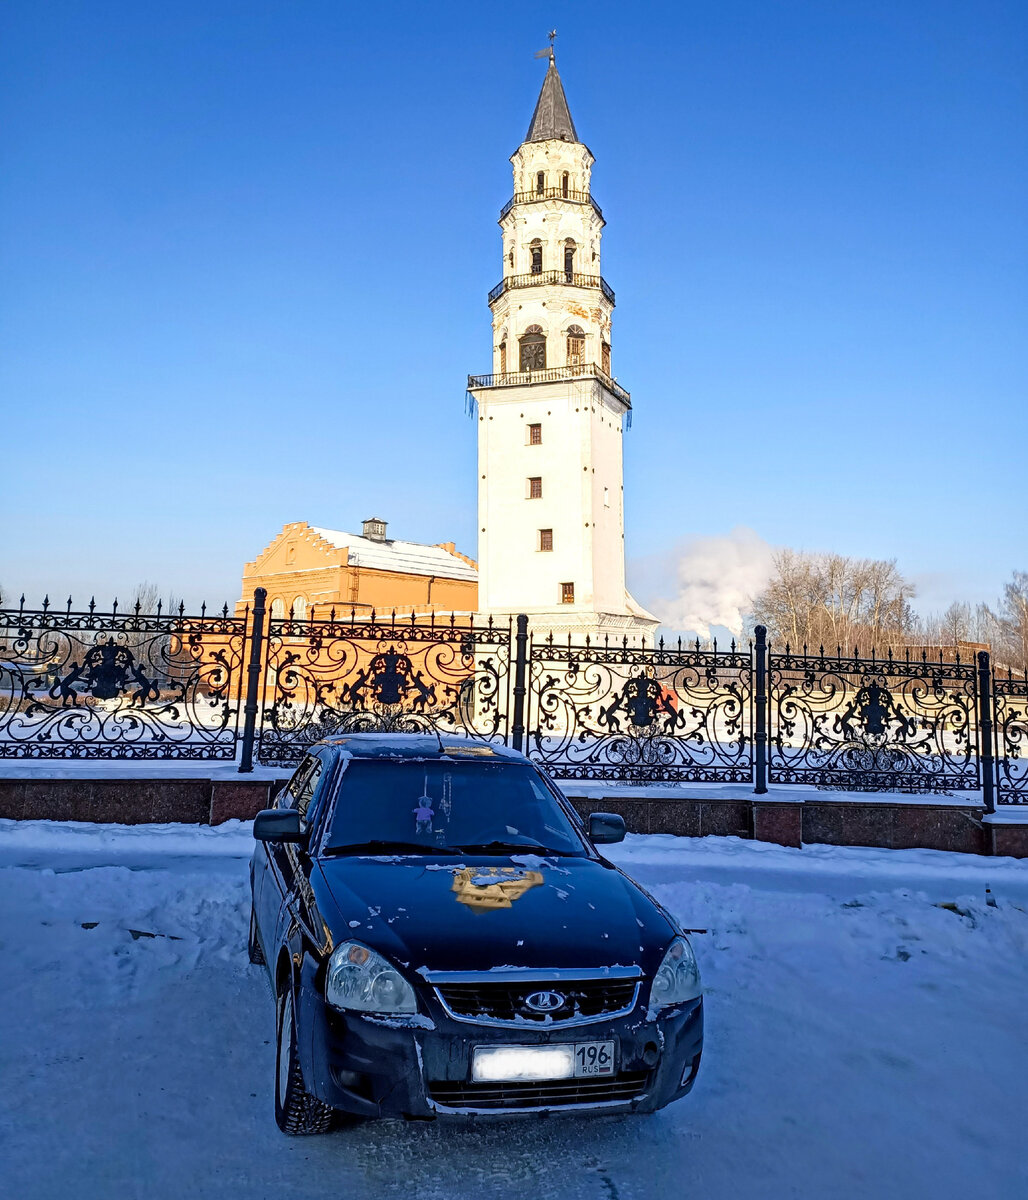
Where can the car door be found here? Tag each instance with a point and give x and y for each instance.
(275, 897)
(310, 795)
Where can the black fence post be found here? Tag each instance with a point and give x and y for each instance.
(517, 732)
(760, 715)
(985, 733)
(253, 679)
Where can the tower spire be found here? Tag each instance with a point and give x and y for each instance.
(552, 117)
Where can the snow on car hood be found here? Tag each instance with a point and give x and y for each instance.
(479, 913)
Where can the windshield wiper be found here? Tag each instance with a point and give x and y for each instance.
(386, 846)
(501, 847)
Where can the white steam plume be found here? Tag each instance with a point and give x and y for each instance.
(718, 579)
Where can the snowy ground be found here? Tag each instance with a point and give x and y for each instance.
(861, 1040)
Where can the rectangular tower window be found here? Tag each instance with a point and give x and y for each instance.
(546, 539)
(535, 435)
(605, 357)
(540, 182)
(503, 358)
(537, 260)
(535, 488)
(567, 593)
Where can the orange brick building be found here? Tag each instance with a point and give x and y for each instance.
(307, 566)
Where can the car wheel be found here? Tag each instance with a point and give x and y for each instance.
(297, 1112)
(253, 945)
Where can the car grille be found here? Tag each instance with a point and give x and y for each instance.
(549, 1094)
(506, 1001)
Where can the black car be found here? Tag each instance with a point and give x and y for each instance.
(444, 940)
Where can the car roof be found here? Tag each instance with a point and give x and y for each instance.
(420, 746)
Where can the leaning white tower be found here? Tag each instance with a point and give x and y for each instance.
(551, 417)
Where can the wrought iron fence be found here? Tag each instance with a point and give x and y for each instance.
(348, 674)
(873, 724)
(537, 278)
(134, 685)
(639, 713)
(119, 685)
(551, 375)
(1011, 707)
(551, 193)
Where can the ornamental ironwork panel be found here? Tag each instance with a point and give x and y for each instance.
(639, 713)
(400, 675)
(110, 685)
(1011, 708)
(872, 724)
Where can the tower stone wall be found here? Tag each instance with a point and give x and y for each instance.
(551, 417)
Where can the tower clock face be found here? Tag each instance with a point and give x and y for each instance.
(533, 356)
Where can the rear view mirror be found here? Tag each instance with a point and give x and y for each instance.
(605, 828)
(278, 825)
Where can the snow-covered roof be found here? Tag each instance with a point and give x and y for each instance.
(409, 558)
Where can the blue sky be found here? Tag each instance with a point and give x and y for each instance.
(245, 249)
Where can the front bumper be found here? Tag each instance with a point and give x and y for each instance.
(377, 1067)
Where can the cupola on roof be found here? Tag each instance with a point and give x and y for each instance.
(552, 117)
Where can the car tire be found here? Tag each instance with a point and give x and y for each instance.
(253, 944)
(297, 1112)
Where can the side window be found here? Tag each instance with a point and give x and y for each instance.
(287, 797)
(303, 798)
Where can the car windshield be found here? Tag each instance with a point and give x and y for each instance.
(414, 807)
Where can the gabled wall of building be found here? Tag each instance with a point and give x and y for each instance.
(302, 570)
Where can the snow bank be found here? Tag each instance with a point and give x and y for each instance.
(862, 1041)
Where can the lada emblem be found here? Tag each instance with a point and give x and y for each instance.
(544, 1002)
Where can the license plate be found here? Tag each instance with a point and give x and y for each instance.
(564, 1060)
(594, 1058)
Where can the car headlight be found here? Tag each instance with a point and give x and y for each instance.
(362, 981)
(677, 978)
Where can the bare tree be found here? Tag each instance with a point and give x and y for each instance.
(833, 601)
(1012, 623)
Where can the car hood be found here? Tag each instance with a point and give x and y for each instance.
(524, 911)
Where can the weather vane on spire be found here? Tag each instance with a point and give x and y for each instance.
(548, 53)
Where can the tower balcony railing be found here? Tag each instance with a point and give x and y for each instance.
(551, 193)
(552, 375)
(538, 278)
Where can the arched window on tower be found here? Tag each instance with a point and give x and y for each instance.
(569, 260)
(605, 357)
(503, 357)
(540, 182)
(533, 349)
(576, 345)
(564, 184)
(536, 248)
